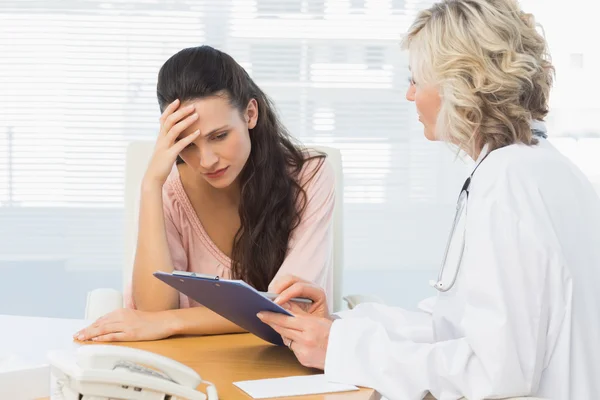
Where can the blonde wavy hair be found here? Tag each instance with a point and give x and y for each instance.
(490, 65)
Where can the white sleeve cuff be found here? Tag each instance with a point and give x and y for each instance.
(341, 361)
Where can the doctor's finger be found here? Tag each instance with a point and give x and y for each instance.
(301, 289)
(281, 283)
(281, 320)
(288, 334)
(297, 308)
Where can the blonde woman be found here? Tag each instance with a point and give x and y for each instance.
(517, 312)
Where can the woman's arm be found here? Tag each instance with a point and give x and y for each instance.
(126, 325)
(152, 254)
(200, 321)
(159, 239)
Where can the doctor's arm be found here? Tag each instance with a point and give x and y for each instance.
(498, 348)
(500, 352)
(399, 323)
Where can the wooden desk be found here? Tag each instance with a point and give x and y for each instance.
(225, 359)
(218, 359)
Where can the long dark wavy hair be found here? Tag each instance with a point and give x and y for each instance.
(272, 199)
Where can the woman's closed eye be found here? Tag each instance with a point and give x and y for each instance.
(220, 136)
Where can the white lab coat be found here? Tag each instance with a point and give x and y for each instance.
(524, 315)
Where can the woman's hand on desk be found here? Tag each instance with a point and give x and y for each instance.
(126, 325)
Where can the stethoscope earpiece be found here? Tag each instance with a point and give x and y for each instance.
(438, 285)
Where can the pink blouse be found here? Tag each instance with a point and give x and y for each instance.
(310, 254)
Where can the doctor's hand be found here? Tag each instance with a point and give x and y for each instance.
(290, 286)
(305, 334)
(127, 325)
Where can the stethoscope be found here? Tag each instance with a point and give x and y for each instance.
(460, 208)
(461, 204)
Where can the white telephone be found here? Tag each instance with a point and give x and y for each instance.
(104, 372)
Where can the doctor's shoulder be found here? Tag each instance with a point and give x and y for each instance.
(520, 177)
(520, 164)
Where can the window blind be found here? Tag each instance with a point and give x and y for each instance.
(78, 80)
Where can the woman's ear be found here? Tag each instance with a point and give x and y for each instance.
(251, 113)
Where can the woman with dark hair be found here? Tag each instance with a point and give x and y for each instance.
(226, 193)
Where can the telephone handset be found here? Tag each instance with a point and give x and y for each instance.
(105, 372)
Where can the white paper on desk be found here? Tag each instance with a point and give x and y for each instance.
(292, 386)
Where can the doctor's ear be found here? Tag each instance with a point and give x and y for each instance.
(251, 113)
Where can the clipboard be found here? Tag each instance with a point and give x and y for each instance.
(234, 300)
